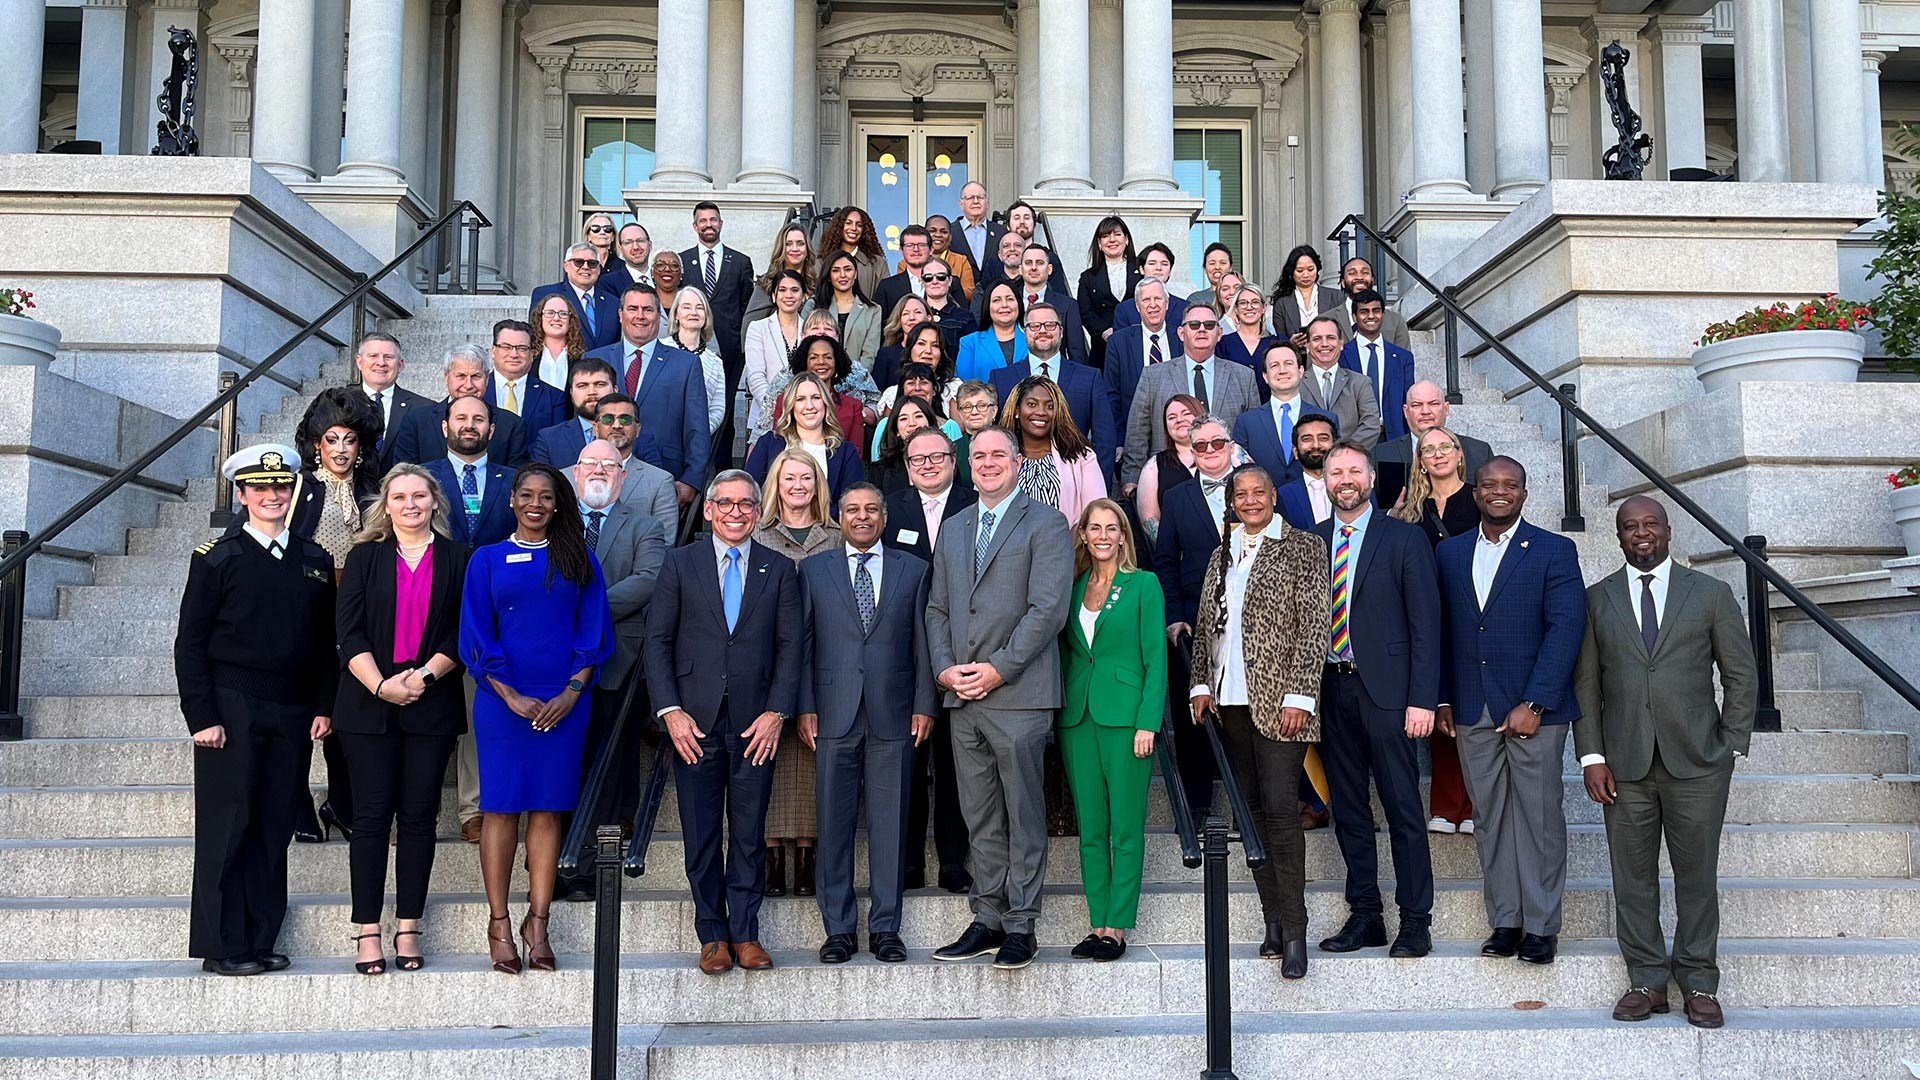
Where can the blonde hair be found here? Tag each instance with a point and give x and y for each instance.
(1083, 558)
(691, 292)
(785, 426)
(376, 526)
(1419, 487)
(820, 321)
(822, 499)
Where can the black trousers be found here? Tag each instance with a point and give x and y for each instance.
(339, 780)
(621, 797)
(1268, 772)
(933, 781)
(723, 822)
(396, 777)
(245, 797)
(1362, 742)
(735, 365)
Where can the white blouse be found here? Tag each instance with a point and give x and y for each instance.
(1087, 619)
(1117, 278)
(553, 369)
(1230, 660)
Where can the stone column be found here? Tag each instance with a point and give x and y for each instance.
(1149, 97)
(1481, 133)
(1840, 157)
(1600, 32)
(1675, 42)
(1066, 154)
(375, 82)
(1315, 58)
(416, 39)
(806, 113)
(1439, 165)
(476, 131)
(1399, 104)
(766, 123)
(104, 63)
(1108, 88)
(1872, 139)
(1343, 145)
(440, 56)
(283, 97)
(680, 125)
(833, 184)
(20, 75)
(1519, 100)
(329, 85)
(725, 71)
(1803, 128)
(1760, 89)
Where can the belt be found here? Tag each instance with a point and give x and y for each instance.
(1342, 667)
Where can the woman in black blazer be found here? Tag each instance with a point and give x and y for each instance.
(1110, 260)
(401, 703)
(1299, 288)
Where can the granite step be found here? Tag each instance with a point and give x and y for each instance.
(662, 920)
(174, 997)
(106, 716)
(79, 602)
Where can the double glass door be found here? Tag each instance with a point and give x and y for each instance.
(911, 171)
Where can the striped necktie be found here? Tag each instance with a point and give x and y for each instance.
(1342, 643)
(980, 544)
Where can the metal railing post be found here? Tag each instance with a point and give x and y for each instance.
(605, 1051)
(1346, 250)
(13, 637)
(1219, 960)
(1453, 352)
(1573, 520)
(450, 245)
(473, 255)
(1760, 630)
(228, 434)
(359, 311)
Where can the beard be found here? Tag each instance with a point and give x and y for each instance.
(1313, 459)
(596, 492)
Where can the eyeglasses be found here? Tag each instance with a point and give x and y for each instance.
(619, 419)
(1198, 325)
(1050, 325)
(1208, 446)
(582, 264)
(505, 348)
(976, 406)
(558, 314)
(597, 464)
(599, 228)
(1436, 451)
(733, 506)
(935, 277)
(920, 461)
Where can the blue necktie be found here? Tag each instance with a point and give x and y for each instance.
(1286, 432)
(730, 587)
(1373, 367)
(470, 498)
(586, 315)
(980, 544)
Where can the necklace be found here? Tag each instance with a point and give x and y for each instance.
(517, 542)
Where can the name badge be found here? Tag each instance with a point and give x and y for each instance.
(523, 556)
(318, 574)
(472, 504)
(908, 536)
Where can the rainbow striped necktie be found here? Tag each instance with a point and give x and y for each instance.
(1342, 561)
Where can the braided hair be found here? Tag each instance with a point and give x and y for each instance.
(1227, 522)
(567, 553)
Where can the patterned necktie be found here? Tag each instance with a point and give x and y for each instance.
(633, 373)
(863, 592)
(379, 406)
(1342, 644)
(1045, 370)
(1154, 355)
(587, 315)
(1032, 299)
(470, 496)
(980, 544)
(594, 518)
(1200, 386)
(730, 589)
(708, 277)
(1286, 432)
(1649, 615)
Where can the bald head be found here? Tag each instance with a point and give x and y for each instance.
(1646, 539)
(1426, 407)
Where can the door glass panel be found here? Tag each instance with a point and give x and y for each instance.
(948, 168)
(910, 171)
(616, 153)
(889, 172)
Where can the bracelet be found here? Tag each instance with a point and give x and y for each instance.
(379, 686)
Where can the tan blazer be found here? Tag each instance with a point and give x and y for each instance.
(1287, 618)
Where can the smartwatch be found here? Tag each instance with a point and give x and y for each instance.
(576, 685)
(428, 678)
(1535, 707)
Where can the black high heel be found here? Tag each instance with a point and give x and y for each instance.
(539, 957)
(309, 830)
(402, 960)
(369, 967)
(330, 820)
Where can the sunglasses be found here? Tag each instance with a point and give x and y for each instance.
(599, 228)
(582, 264)
(1208, 446)
(935, 277)
(619, 419)
(1208, 325)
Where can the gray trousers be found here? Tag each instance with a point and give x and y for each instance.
(997, 767)
(466, 769)
(1690, 814)
(884, 769)
(1519, 822)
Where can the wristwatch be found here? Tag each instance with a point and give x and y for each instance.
(428, 678)
(576, 685)
(1535, 707)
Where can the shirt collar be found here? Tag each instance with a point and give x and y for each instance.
(368, 390)
(479, 464)
(1359, 524)
(1362, 341)
(720, 549)
(855, 553)
(939, 496)
(266, 542)
(1293, 401)
(1662, 573)
(1481, 534)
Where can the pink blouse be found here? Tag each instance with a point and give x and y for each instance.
(413, 593)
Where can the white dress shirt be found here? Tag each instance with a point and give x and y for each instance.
(1662, 577)
(516, 388)
(1169, 348)
(697, 275)
(1230, 659)
(1308, 302)
(1486, 560)
(276, 545)
(640, 275)
(1324, 379)
(1087, 621)
(873, 568)
(1216, 498)
(1361, 343)
(459, 477)
(553, 368)
(386, 403)
(1117, 278)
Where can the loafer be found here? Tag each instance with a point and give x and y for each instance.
(274, 961)
(837, 950)
(888, 948)
(1639, 1003)
(716, 958)
(978, 940)
(1539, 948)
(1703, 1010)
(1274, 943)
(469, 831)
(1504, 943)
(1088, 946)
(1110, 949)
(1017, 953)
(749, 955)
(1363, 931)
(233, 965)
(1311, 819)
(1415, 939)
(1294, 964)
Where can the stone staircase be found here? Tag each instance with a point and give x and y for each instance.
(1819, 899)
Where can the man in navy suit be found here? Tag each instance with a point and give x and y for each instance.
(726, 277)
(1386, 365)
(515, 387)
(977, 236)
(667, 384)
(723, 663)
(1378, 695)
(377, 365)
(588, 380)
(595, 305)
(1516, 612)
(1266, 433)
(866, 701)
(1088, 395)
(421, 436)
(1303, 500)
(478, 488)
(635, 248)
(1133, 349)
(1023, 220)
(1156, 261)
(916, 255)
(1035, 289)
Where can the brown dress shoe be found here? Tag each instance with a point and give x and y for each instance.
(1640, 1003)
(716, 958)
(752, 956)
(1703, 1010)
(469, 830)
(1311, 819)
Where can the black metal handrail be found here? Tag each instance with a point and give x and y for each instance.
(1190, 854)
(635, 863)
(590, 810)
(1759, 573)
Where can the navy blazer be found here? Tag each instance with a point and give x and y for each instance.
(405, 403)
(673, 408)
(616, 279)
(421, 439)
(1295, 504)
(1128, 314)
(496, 521)
(1121, 368)
(907, 514)
(1393, 621)
(1258, 433)
(843, 464)
(1524, 645)
(692, 661)
(541, 405)
(889, 671)
(560, 444)
(606, 311)
(1189, 533)
(1072, 337)
(731, 293)
(1399, 378)
(1089, 400)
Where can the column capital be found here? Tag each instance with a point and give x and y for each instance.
(177, 5)
(122, 4)
(554, 61)
(1397, 8)
(1678, 30)
(1604, 29)
(1308, 24)
(1871, 59)
(1273, 71)
(1339, 7)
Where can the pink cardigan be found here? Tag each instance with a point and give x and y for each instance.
(1080, 483)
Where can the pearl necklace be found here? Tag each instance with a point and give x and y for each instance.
(517, 542)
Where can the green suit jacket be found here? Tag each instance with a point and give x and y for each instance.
(1121, 679)
(1632, 703)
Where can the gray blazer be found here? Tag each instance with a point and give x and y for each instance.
(862, 339)
(1632, 703)
(1235, 390)
(887, 669)
(649, 489)
(632, 547)
(1354, 403)
(1011, 617)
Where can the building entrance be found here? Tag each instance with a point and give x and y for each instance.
(908, 171)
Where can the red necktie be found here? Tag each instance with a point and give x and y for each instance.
(633, 373)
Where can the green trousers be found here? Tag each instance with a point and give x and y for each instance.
(1110, 793)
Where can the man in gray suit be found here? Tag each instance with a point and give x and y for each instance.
(1345, 395)
(1658, 754)
(1002, 584)
(648, 488)
(866, 701)
(1225, 390)
(1426, 408)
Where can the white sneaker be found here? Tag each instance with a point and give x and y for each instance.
(1440, 825)
(1466, 827)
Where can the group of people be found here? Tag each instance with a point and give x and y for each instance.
(984, 525)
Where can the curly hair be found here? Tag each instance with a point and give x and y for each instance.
(576, 344)
(833, 237)
(347, 407)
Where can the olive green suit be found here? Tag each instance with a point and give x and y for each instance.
(1114, 687)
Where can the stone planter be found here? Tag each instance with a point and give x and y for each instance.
(1904, 502)
(27, 343)
(1806, 356)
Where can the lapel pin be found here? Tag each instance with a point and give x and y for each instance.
(1524, 543)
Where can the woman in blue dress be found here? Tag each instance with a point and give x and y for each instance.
(534, 626)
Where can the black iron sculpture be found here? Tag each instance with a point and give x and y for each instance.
(176, 137)
(1627, 158)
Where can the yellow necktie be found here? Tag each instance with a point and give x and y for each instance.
(512, 404)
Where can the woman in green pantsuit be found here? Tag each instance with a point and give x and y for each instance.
(1114, 665)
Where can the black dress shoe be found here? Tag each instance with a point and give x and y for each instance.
(1538, 948)
(1363, 931)
(1505, 941)
(887, 948)
(1274, 943)
(777, 870)
(578, 890)
(803, 871)
(1414, 939)
(838, 949)
(915, 879)
(307, 828)
(1088, 946)
(955, 880)
(1294, 964)
(1110, 949)
(273, 961)
(978, 940)
(1017, 953)
(233, 965)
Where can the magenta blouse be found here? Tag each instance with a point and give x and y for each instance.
(413, 593)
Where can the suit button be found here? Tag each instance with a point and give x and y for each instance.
(1483, 663)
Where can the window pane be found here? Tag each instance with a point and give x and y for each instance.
(1189, 163)
(602, 160)
(639, 152)
(947, 170)
(1223, 179)
(889, 185)
(1204, 233)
